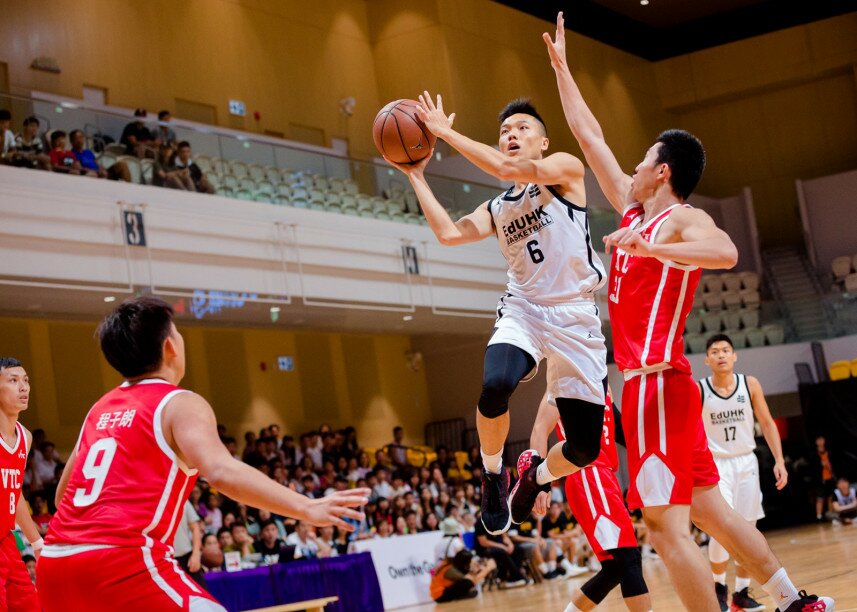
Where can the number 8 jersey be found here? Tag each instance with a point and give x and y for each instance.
(545, 240)
(127, 487)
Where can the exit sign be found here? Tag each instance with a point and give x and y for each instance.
(285, 363)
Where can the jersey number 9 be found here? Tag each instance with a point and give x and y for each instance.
(95, 468)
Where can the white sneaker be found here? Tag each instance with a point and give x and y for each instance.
(593, 564)
(576, 570)
(837, 522)
(516, 583)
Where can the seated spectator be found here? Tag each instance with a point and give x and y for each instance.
(29, 148)
(559, 530)
(844, 502)
(400, 489)
(530, 546)
(241, 539)
(397, 451)
(164, 133)
(227, 543)
(137, 138)
(269, 545)
(458, 578)
(211, 556)
(412, 521)
(451, 543)
(500, 548)
(45, 467)
(384, 530)
(305, 542)
(30, 564)
(401, 527)
(86, 158)
(8, 137)
(430, 522)
(328, 546)
(62, 160)
(166, 174)
(288, 448)
(41, 516)
(382, 488)
(213, 518)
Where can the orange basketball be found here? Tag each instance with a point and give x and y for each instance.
(400, 135)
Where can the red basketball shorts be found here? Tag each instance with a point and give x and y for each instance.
(667, 449)
(17, 593)
(106, 579)
(595, 499)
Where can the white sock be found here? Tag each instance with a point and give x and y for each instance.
(564, 564)
(572, 608)
(721, 578)
(781, 589)
(543, 474)
(551, 566)
(492, 463)
(543, 568)
(741, 583)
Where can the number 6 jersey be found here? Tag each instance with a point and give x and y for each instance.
(127, 487)
(545, 240)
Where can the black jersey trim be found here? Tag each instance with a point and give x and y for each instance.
(555, 193)
(701, 391)
(734, 391)
(513, 198)
(589, 247)
(749, 395)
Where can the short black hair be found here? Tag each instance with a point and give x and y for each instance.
(183, 144)
(56, 135)
(841, 478)
(132, 336)
(398, 428)
(223, 530)
(27, 558)
(72, 133)
(718, 338)
(30, 120)
(5, 115)
(264, 524)
(684, 154)
(163, 113)
(524, 106)
(9, 362)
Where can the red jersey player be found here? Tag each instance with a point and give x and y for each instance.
(660, 247)
(16, 589)
(596, 501)
(120, 498)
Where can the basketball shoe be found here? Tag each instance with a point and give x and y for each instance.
(523, 496)
(722, 596)
(495, 505)
(810, 603)
(741, 600)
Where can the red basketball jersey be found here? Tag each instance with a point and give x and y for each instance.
(13, 462)
(608, 457)
(127, 487)
(649, 301)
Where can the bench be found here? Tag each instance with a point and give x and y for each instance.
(311, 605)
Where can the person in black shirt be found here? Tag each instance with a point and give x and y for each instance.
(137, 138)
(499, 548)
(183, 161)
(270, 546)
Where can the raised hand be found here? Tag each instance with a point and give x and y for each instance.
(629, 241)
(332, 509)
(556, 47)
(432, 114)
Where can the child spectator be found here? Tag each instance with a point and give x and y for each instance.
(62, 160)
(29, 148)
(137, 138)
(844, 502)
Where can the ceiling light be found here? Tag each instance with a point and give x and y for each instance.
(275, 309)
(109, 298)
(407, 318)
(644, 2)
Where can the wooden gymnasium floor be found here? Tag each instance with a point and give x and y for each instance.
(819, 558)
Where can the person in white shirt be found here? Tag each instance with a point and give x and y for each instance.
(304, 540)
(7, 135)
(844, 502)
(383, 488)
(451, 542)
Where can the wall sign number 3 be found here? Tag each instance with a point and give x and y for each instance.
(135, 232)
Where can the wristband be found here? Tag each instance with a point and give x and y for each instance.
(38, 544)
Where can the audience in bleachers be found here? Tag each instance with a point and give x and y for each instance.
(29, 147)
(137, 138)
(118, 171)
(7, 136)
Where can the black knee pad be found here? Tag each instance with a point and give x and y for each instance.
(631, 566)
(505, 366)
(583, 423)
(600, 585)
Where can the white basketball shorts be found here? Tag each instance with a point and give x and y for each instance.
(568, 336)
(739, 484)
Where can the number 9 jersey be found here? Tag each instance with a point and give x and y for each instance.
(127, 487)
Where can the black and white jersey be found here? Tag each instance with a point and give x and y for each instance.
(728, 421)
(545, 240)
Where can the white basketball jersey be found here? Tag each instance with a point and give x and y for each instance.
(728, 421)
(545, 239)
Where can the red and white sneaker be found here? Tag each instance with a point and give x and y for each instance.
(524, 493)
(810, 603)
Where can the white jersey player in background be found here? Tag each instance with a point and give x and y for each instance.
(549, 309)
(729, 403)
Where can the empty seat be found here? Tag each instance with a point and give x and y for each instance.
(272, 173)
(695, 343)
(840, 370)
(364, 203)
(266, 187)
(738, 337)
(712, 283)
(841, 267)
(351, 187)
(283, 200)
(749, 317)
(321, 182)
(411, 202)
(731, 281)
(732, 319)
(750, 298)
(749, 280)
(317, 205)
(712, 322)
(366, 213)
(147, 169)
(247, 184)
(244, 194)
(348, 201)
(204, 162)
(854, 367)
(218, 166)
(731, 299)
(263, 196)
(851, 283)
(774, 334)
(256, 172)
(712, 301)
(107, 160)
(133, 164)
(316, 195)
(238, 169)
(336, 185)
(298, 201)
(755, 337)
(230, 182)
(693, 324)
(284, 190)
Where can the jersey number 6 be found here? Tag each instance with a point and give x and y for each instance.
(95, 468)
(535, 254)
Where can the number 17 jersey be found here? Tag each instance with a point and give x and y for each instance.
(545, 240)
(127, 487)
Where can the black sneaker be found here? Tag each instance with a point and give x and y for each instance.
(810, 603)
(741, 600)
(495, 505)
(722, 595)
(523, 496)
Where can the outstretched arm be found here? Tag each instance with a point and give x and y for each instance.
(769, 430)
(190, 428)
(615, 184)
(555, 169)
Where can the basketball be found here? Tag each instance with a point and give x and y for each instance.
(400, 135)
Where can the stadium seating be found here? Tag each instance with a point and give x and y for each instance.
(840, 370)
